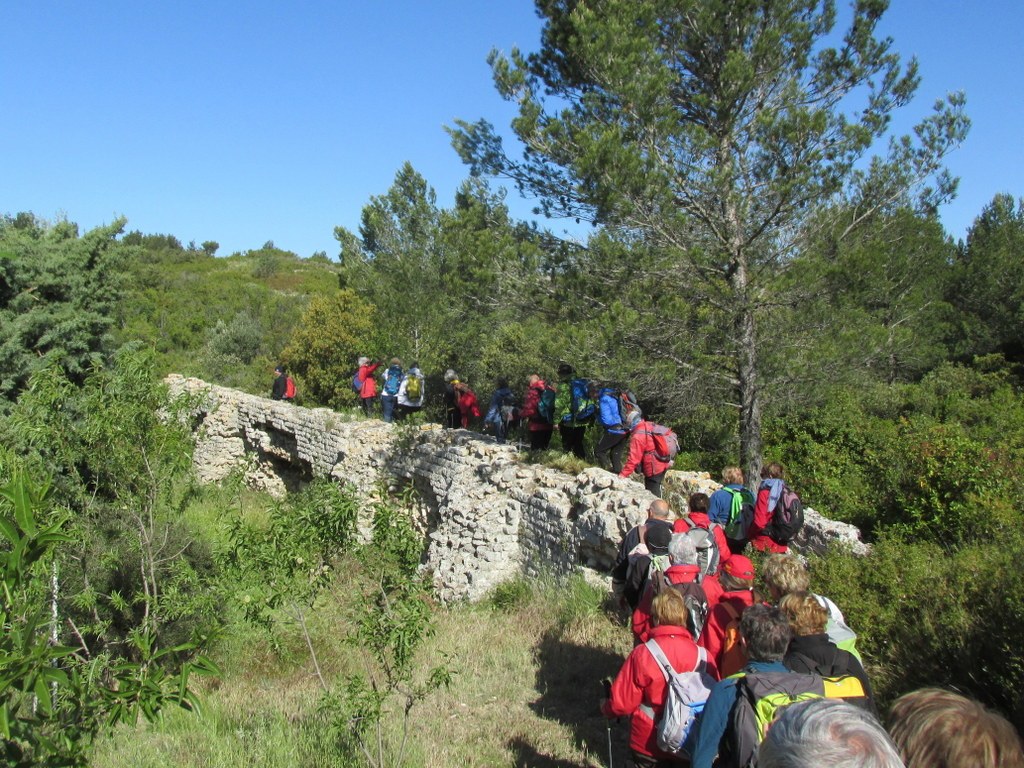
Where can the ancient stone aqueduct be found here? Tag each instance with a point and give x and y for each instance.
(487, 516)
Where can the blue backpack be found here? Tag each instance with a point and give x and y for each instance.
(357, 384)
(546, 405)
(392, 380)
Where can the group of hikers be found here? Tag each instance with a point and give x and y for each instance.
(629, 442)
(569, 407)
(721, 675)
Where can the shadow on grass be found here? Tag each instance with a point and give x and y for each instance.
(569, 679)
(527, 756)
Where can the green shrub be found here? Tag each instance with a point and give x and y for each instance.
(928, 614)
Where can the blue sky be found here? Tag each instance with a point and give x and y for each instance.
(247, 122)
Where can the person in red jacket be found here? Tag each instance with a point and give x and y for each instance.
(642, 455)
(721, 632)
(467, 404)
(683, 575)
(540, 429)
(368, 392)
(639, 690)
(764, 510)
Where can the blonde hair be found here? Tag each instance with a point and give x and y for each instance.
(732, 476)
(732, 583)
(786, 573)
(669, 609)
(806, 615)
(934, 728)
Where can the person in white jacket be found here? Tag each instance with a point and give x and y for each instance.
(411, 392)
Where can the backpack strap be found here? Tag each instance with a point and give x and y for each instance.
(659, 656)
(730, 609)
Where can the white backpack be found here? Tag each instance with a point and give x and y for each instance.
(708, 552)
(685, 696)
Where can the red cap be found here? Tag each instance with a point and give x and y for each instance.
(739, 566)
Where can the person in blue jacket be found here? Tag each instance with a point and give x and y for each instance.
(616, 435)
(766, 633)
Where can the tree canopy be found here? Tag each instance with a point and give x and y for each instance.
(723, 134)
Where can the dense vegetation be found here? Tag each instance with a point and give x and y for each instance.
(789, 297)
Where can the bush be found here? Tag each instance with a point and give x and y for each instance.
(932, 615)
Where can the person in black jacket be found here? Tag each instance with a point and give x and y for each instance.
(811, 650)
(280, 382)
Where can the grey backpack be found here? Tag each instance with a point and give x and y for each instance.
(708, 553)
(685, 696)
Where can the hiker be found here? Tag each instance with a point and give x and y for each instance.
(502, 410)
(642, 454)
(766, 634)
(762, 533)
(467, 404)
(452, 418)
(574, 410)
(697, 518)
(647, 559)
(657, 516)
(613, 441)
(411, 392)
(283, 387)
(720, 635)
(829, 732)
(934, 728)
(742, 706)
(784, 574)
(640, 688)
(811, 650)
(683, 575)
(538, 410)
(389, 392)
(732, 497)
(368, 387)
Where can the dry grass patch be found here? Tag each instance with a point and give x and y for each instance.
(528, 671)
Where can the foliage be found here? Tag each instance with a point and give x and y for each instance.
(929, 615)
(284, 564)
(58, 294)
(989, 276)
(119, 455)
(410, 253)
(333, 332)
(933, 459)
(721, 135)
(55, 699)
(213, 317)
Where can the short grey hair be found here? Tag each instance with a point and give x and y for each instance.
(828, 732)
(682, 550)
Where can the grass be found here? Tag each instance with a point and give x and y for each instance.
(528, 664)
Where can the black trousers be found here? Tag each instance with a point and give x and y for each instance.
(614, 445)
(573, 440)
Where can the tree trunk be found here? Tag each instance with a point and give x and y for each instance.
(750, 400)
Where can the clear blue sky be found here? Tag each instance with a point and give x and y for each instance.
(247, 122)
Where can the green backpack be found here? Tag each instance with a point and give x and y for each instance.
(761, 697)
(413, 387)
(741, 513)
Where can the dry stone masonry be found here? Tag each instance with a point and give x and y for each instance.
(486, 515)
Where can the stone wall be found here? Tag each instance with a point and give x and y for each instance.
(486, 516)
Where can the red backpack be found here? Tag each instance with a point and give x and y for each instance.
(666, 444)
(289, 388)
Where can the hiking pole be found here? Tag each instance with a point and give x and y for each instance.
(606, 684)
